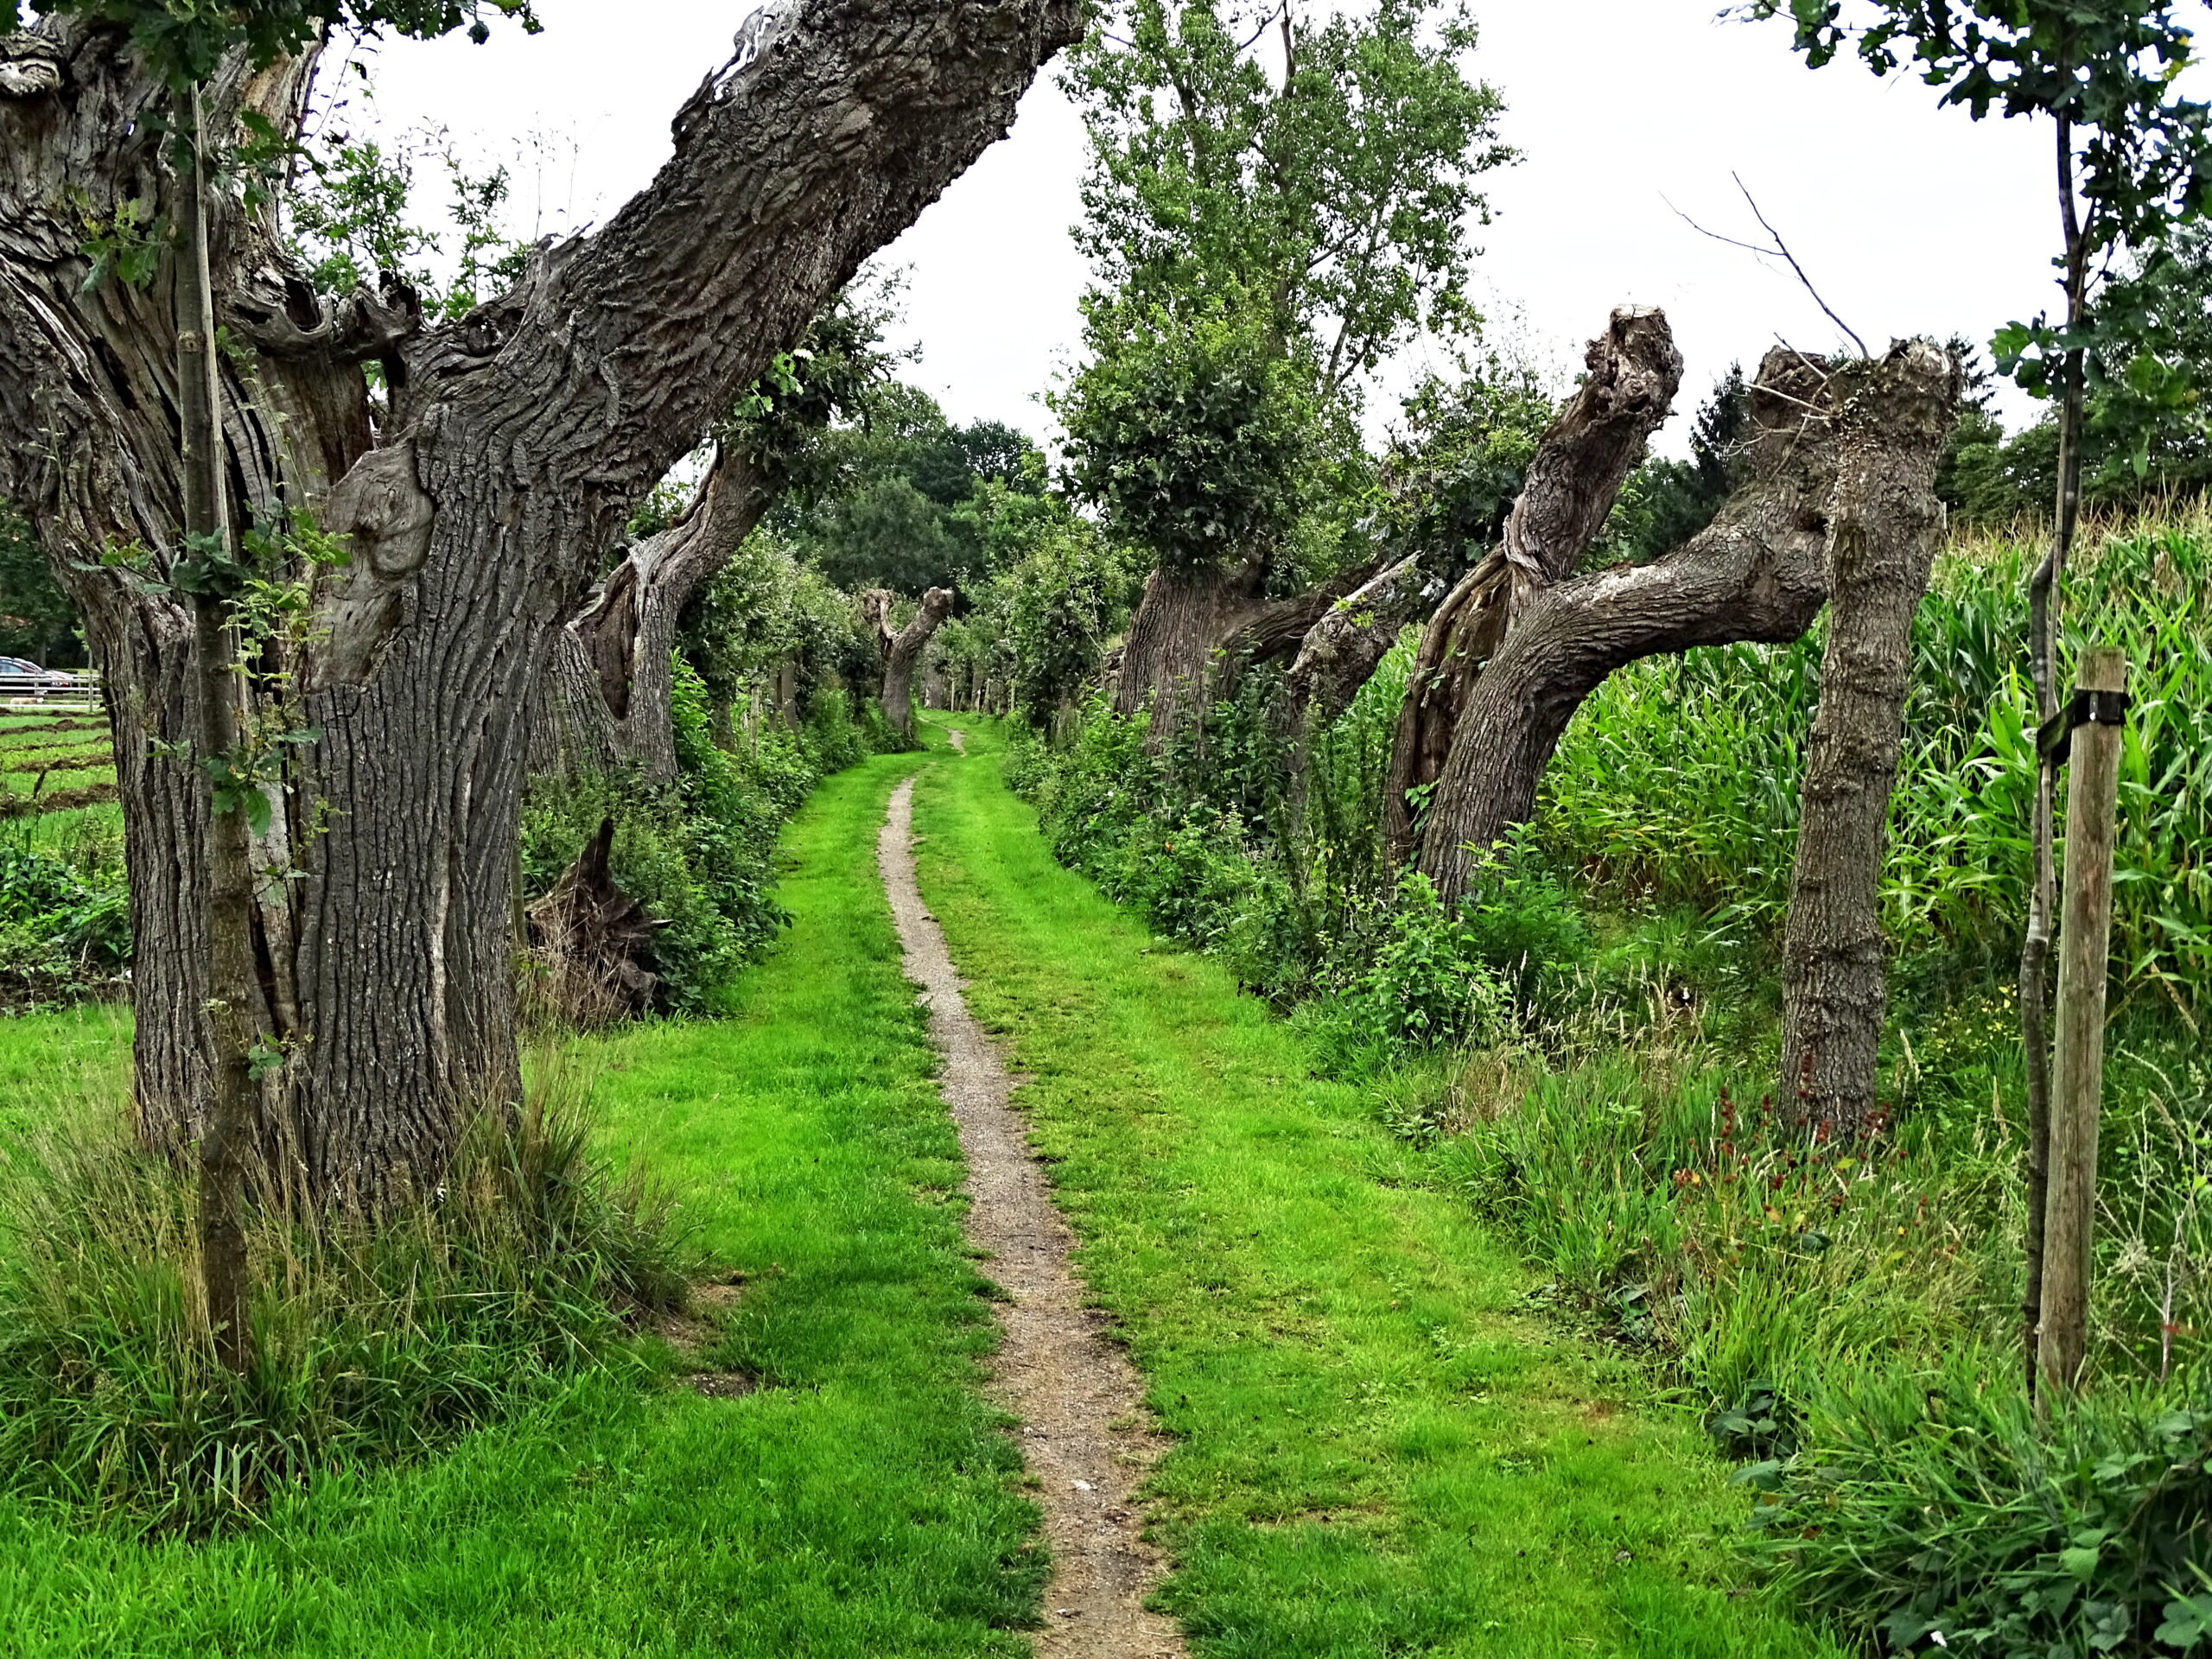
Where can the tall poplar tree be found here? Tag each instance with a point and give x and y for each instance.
(1280, 197)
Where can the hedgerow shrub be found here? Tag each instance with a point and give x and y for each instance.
(1586, 1047)
(1418, 978)
(699, 854)
(64, 917)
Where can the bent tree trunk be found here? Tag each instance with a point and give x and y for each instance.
(903, 651)
(1884, 524)
(1347, 643)
(626, 636)
(1573, 479)
(475, 506)
(1755, 573)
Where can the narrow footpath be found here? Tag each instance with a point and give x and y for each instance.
(1080, 1402)
(1375, 1445)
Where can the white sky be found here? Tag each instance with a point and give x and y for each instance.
(1911, 218)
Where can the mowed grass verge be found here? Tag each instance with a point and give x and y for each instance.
(1380, 1452)
(863, 1503)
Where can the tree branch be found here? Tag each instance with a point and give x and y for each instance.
(1781, 250)
(827, 133)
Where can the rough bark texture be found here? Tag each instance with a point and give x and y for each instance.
(1339, 653)
(1276, 630)
(1885, 522)
(1183, 617)
(1755, 573)
(515, 444)
(1573, 479)
(626, 634)
(903, 651)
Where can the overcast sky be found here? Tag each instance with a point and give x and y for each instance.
(1909, 218)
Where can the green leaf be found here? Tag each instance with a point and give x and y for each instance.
(2187, 1622)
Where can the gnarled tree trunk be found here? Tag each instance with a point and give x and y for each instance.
(1755, 574)
(476, 504)
(1339, 653)
(902, 650)
(627, 633)
(1573, 479)
(1885, 523)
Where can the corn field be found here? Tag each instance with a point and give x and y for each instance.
(1679, 781)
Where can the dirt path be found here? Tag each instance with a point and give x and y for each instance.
(1079, 1399)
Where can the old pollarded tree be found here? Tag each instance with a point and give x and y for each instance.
(900, 650)
(472, 504)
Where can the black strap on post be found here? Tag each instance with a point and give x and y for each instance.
(2055, 739)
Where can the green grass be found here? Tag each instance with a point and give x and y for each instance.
(60, 1059)
(1380, 1451)
(861, 1504)
(60, 833)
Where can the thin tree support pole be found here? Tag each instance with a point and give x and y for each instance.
(2043, 661)
(2084, 949)
(228, 1127)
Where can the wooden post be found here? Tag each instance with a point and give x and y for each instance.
(2077, 1086)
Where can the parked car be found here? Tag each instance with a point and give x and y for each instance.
(21, 677)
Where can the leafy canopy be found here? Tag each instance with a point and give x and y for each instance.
(2141, 153)
(1192, 434)
(1334, 179)
(183, 41)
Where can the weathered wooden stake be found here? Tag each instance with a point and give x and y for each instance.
(2084, 948)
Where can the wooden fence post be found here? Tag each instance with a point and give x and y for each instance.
(2084, 951)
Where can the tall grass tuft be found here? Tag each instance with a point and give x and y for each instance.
(374, 1340)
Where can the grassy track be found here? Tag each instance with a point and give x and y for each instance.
(861, 1506)
(1380, 1453)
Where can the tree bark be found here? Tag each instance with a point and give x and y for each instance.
(904, 651)
(1573, 479)
(1885, 523)
(476, 503)
(1185, 615)
(627, 633)
(1347, 643)
(1755, 573)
